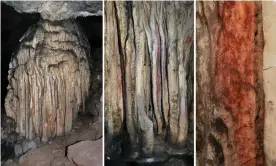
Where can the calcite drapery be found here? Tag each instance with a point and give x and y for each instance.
(229, 83)
(49, 79)
(147, 55)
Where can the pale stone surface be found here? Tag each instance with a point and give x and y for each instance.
(52, 70)
(149, 91)
(269, 73)
(86, 153)
(53, 10)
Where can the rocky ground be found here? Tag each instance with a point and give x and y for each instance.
(82, 146)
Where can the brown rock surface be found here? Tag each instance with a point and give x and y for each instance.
(54, 153)
(86, 153)
(229, 84)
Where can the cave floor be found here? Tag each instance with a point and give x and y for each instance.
(55, 152)
(118, 152)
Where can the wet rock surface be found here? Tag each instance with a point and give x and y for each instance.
(117, 150)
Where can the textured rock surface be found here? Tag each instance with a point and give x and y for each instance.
(86, 153)
(8, 126)
(49, 79)
(54, 153)
(269, 70)
(61, 161)
(147, 70)
(62, 10)
(229, 83)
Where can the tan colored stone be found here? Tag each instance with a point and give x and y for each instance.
(269, 73)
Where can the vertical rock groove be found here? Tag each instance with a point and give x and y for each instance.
(153, 41)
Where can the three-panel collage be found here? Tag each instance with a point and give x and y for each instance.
(138, 83)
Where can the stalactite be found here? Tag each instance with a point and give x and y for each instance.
(49, 79)
(152, 40)
(229, 83)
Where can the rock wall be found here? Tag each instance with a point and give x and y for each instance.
(58, 10)
(230, 99)
(49, 79)
(148, 71)
(269, 72)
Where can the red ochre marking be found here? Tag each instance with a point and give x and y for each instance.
(235, 75)
(188, 40)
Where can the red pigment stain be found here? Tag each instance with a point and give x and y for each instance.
(188, 40)
(235, 76)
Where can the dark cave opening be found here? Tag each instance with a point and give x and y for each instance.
(14, 25)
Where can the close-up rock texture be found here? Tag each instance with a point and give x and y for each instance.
(53, 77)
(269, 75)
(235, 80)
(149, 75)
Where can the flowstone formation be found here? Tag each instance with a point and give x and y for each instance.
(49, 74)
(149, 66)
(235, 83)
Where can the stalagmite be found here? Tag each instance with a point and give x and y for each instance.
(145, 125)
(49, 74)
(114, 116)
(152, 40)
(185, 29)
(269, 71)
(49, 79)
(229, 83)
(155, 65)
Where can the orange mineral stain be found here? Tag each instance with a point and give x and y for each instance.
(234, 77)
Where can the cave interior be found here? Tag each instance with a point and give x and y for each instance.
(14, 25)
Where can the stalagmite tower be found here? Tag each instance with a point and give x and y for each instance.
(49, 74)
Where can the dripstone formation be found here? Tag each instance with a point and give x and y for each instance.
(49, 74)
(149, 71)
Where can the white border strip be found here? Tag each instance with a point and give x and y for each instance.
(103, 79)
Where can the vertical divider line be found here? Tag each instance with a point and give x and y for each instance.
(103, 79)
